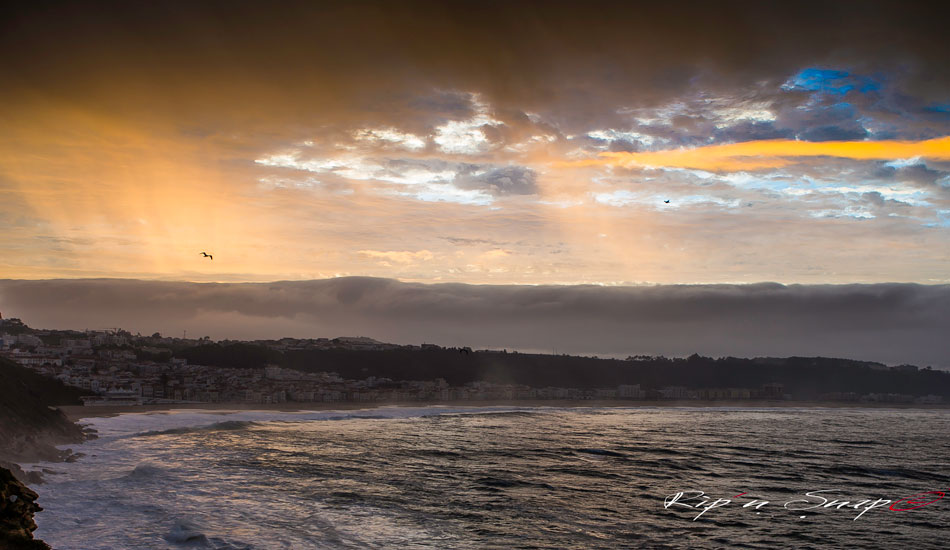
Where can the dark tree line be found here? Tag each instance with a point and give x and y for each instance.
(803, 377)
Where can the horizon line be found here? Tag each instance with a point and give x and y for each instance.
(618, 284)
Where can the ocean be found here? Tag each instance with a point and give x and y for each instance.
(558, 478)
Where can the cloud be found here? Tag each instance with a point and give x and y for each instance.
(630, 140)
(495, 254)
(424, 178)
(467, 137)
(834, 133)
(770, 154)
(392, 136)
(915, 172)
(401, 256)
(506, 180)
(893, 323)
(459, 117)
(463, 241)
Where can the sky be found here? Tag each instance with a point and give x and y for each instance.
(482, 143)
(733, 178)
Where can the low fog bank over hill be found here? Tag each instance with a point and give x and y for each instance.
(891, 323)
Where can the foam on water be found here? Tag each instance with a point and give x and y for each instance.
(135, 489)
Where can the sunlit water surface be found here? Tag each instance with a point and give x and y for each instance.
(500, 478)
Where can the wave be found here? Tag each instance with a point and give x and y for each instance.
(507, 483)
(489, 414)
(584, 472)
(906, 473)
(188, 421)
(601, 452)
(348, 417)
(187, 534)
(146, 470)
(439, 453)
(227, 425)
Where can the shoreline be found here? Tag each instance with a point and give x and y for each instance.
(76, 413)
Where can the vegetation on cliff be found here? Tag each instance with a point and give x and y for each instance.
(30, 424)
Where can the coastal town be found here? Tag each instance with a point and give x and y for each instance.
(117, 367)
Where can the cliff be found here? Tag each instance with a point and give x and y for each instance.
(30, 425)
(30, 429)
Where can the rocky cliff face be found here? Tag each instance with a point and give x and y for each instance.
(30, 425)
(17, 506)
(30, 429)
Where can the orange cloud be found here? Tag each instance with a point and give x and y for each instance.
(766, 154)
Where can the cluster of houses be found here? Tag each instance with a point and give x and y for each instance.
(113, 366)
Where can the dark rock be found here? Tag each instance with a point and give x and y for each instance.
(17, 506)
(32, 477)
(73, 457)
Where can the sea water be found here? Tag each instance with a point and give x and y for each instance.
(556, 478)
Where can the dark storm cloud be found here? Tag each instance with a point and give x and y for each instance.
(834, 133)
(749, 131)
(297, 60)
(887, 322)
(506, 180)
(919, 173)
(445, 103)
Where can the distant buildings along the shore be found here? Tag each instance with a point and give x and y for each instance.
(125, 369)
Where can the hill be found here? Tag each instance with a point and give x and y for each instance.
(30, 425)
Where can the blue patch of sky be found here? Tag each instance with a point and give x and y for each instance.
(938, 112)
(831, 81)
(943, 219)
(829, 89)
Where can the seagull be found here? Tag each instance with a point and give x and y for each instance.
(667, 201)
(206, 255)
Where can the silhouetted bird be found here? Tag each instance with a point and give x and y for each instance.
(667, 201)
(206, 255)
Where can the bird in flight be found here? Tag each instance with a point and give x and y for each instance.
(206, 255)
(667, 201)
